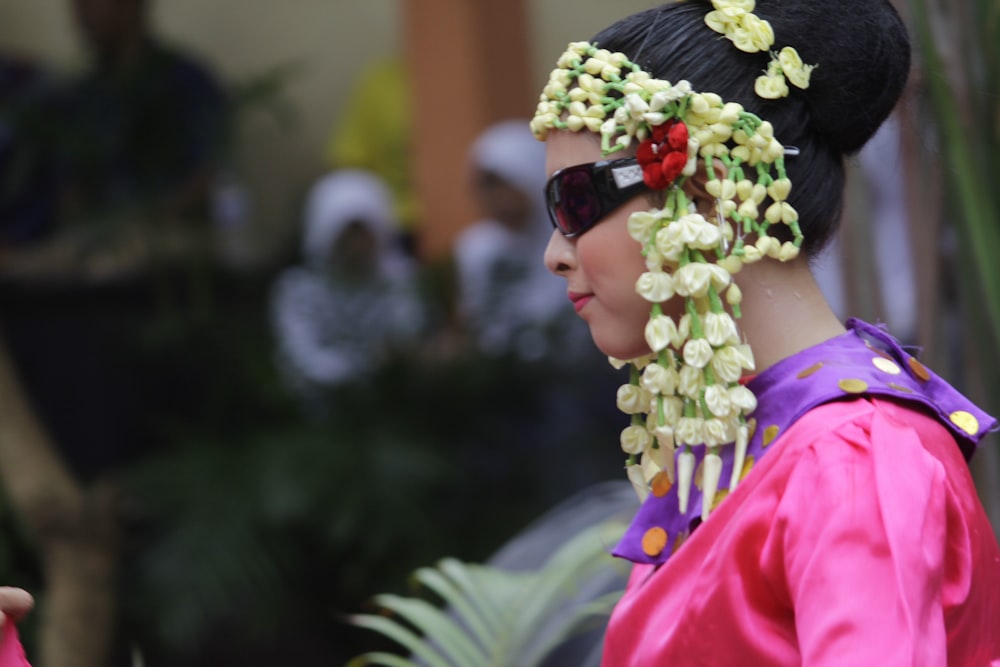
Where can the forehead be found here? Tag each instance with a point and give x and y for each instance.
(565, 149)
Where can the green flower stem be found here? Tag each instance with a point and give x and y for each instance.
(710, 169)
(680, 199)
(682, 107)
(763, 174)
(779, 166)
(692, 310)
(704, 405)
(737, 311)
(715, 300)
(796, 233)
(709, 376)
(690, 409)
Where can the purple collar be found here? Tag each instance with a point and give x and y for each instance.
(863, 361)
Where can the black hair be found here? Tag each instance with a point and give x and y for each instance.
(862, 53)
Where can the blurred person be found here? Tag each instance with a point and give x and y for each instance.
(139, 133)
(507, 300)
(149, 120)
(85, 311)
(28, 172)
(352, 302)
(139, 137)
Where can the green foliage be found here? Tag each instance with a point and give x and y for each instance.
(494, 617)
(961, 67)
(253, 530)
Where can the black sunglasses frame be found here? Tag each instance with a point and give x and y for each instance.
(608, 184)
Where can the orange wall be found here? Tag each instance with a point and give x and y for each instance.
(469, 64)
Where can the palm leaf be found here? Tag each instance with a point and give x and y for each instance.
(401, 634)
(455, 644)
(498, 617)
(435, 580)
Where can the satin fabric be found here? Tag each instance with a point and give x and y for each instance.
(11, 653)
(832, 551)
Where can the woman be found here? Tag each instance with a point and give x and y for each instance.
(352, 303)
(819, 512)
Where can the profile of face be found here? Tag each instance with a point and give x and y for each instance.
(500, 200)
(601, 265)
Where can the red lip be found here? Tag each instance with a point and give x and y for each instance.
(579, 300)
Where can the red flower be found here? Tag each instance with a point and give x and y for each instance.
(663, 156)
(677, 135)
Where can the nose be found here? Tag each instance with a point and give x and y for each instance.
(560, 254)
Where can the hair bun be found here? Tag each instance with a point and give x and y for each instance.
(862, 53)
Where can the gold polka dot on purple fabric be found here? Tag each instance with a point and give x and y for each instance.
(770, 433)
(886, 365)
(809, 371)
(681, 538)
(965, 421)
(919, 369)
(661, 484)
(853, 386)
(654, 541)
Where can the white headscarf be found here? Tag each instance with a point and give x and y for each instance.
(342, 197)
(509, 150)
(510, 315)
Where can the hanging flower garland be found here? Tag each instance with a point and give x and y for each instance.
(686, 393)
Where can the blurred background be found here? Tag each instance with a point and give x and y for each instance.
(275, 330)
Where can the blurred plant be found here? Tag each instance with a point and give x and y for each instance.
(277, 525)
(495, 616)
(959, 46)
(958, 49)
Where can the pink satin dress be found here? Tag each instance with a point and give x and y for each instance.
(858, 540)
(11, 653)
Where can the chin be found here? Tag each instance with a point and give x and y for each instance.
(619, 349)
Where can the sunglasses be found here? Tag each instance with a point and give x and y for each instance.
(580, 196)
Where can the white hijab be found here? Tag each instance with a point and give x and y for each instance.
(342, 197)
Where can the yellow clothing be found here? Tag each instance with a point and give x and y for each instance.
(373, 133)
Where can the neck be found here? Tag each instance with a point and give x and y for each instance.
(784, 311)
(121, 58)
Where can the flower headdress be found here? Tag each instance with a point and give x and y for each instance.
(687, 392)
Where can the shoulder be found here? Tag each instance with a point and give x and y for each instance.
(868, 429)
(867, 458)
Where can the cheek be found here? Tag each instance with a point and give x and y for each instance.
(612, 262)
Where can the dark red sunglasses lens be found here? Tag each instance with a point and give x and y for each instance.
(579, 205)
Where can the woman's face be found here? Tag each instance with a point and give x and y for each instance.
(602, 265)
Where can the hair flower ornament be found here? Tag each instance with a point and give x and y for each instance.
(686, 393)
(786, 67)
(735, 19)
(664, 155)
